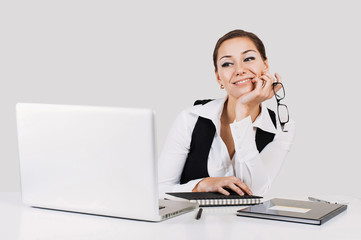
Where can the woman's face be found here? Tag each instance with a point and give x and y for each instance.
(238, 63)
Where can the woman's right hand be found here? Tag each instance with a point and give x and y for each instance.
(263, 90)
(218, 184)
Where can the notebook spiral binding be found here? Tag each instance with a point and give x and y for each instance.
(226, 202)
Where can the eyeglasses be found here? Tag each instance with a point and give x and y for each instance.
(282, 110)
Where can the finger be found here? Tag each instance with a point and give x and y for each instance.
(266, 82)
(277, 87)
(263, 82)
(279, 80)
(278, 77)
(268, 76)
(244, 187)
(259, 83)
(236, 189)
(223, 191)
(269, 80)
(267, 90)
(254, 80)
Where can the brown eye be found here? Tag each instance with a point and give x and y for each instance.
(226, 64)
(249, 59)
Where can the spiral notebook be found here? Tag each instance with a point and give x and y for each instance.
(209, 199)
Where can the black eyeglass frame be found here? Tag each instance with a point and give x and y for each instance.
(278, 99)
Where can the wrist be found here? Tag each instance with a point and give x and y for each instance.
(242, 112)
(195, 189)
(198, 186)
(241, 116)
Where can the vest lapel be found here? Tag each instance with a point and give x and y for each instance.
(263, 137)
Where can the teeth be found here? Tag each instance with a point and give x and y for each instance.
(243, 81)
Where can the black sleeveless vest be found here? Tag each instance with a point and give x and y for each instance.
(202, 137)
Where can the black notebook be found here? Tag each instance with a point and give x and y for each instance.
(294, 211)
(209, 199)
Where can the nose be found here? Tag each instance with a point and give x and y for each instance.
(240, 70)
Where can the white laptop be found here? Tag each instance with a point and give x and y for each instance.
(97, 160)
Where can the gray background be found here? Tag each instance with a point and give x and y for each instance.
(158, 54)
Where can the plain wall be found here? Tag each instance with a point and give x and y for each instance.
(158, 54)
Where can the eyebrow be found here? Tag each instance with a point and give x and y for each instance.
(227, 56)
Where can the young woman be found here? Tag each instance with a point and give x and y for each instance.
(234, 142)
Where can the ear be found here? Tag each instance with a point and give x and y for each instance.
(218, 78)
(266, 66)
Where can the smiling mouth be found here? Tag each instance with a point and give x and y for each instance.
(242, 81)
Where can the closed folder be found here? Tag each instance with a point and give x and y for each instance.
(294, 211)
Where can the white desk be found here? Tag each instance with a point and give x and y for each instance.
(23, 222)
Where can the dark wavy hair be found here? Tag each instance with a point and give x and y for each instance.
(239, 33)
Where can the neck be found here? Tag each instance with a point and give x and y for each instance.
(229, 111)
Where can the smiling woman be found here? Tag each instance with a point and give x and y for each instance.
(234, 143)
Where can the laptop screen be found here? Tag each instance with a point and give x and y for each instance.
(98, 160)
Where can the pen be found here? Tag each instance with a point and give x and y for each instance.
(199, 214)
(317, 200)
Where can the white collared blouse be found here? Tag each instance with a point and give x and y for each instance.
(257, 170)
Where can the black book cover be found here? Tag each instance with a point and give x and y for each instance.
(294, 211)
(214, 198)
